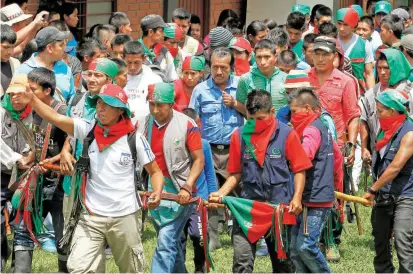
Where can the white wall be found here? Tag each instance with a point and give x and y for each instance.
(277, 9)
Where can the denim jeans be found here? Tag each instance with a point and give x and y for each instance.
(168, 256)
(392, 215)
(305, 252)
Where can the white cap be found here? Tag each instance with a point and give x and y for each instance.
(14, 13)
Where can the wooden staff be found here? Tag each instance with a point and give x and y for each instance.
(51, 167)
(172, 197)
(351, 198)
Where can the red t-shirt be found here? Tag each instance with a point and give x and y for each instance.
(294, 153)
(193, 142)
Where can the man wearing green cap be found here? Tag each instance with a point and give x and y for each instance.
(192, 72)
(176, 142)
(359, 51)
(306, 11)
(101, 71)
(111, 212)
(381, 9)
(393, 70)
(172, 37)
(295, 27)
(392, 190)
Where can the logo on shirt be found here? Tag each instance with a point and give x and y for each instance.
(177, 141)
(125, 159)
(275, 153)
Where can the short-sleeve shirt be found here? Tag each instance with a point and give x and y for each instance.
(348, 46)
(294, 152)
(110, 188)
(338, 96)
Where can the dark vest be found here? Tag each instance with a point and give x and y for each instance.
(319, 180)
(270, 183)
(402, 185)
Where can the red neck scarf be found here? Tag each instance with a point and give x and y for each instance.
(105, 136)
(302, 120)
(241, 66)
(257, 134)
(388, 126)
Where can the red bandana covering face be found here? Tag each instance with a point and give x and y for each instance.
(389, 126)
(172, 50)
(301, 120)
(257, 134)
(105, 136)
(241, 66)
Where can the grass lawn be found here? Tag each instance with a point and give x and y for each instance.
(356, 252)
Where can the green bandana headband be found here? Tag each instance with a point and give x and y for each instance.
(161, 93)
(106, 66)
(393, 99)
(194, 63)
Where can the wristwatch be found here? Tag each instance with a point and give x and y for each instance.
(350, 144)
(371, 191)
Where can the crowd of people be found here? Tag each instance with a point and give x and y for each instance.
(284, 114)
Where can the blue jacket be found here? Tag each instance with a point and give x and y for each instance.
(402, 185)
(319, 180)
(207, 180)
(270, 183)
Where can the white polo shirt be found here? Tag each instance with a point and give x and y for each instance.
(110, 188)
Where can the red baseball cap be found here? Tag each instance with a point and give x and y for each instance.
(240, 44)
(114, 96)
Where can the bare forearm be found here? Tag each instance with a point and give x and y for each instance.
(370, 82)
(66, 146)
(50, 115)
(27, 33)
(353, 129)
(388, 175)
(240, 107)
(364, 135)
(299, 182)
(157, 181)
(196, 169)
(231, 182)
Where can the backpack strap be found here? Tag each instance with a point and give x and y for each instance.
(47, 135)
(132, 146)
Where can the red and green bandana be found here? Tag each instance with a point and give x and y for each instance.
(16, 115)
(105, 136)
(161, 93)
(256, 135)
(348, 16)
(357, 8)
(106, 66)
(173, 31)
(194, 63)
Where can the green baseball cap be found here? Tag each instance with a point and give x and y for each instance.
(161, 93)
(303, 8)
(383, 7)
(114, 96)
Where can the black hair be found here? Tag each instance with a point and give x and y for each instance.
(222, 52)
(368, 20)
(254, 27)
(146, 32)
(287, 58)
(119, 19)
(279, 37)
(120, 62)
(29, 49)
(120, 39)
(309, 39)
(313, 12)
(382, 57)
(323, 11)
(89, 34)
(191, 113)
(67, 9)
(59, 24)
(304, 95)
(98, 29)
(371, 2)
(44, 77)
(195, 19)
(53, 12)
(87, 47)
(258, 100)
(270, 23)
(393, 23)
(3, 17)
(328, 29)
(8, 34)
(266, 44)
(133, 47)
(225, 15)
(181, 14)
(296, 20)
(18, 2)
